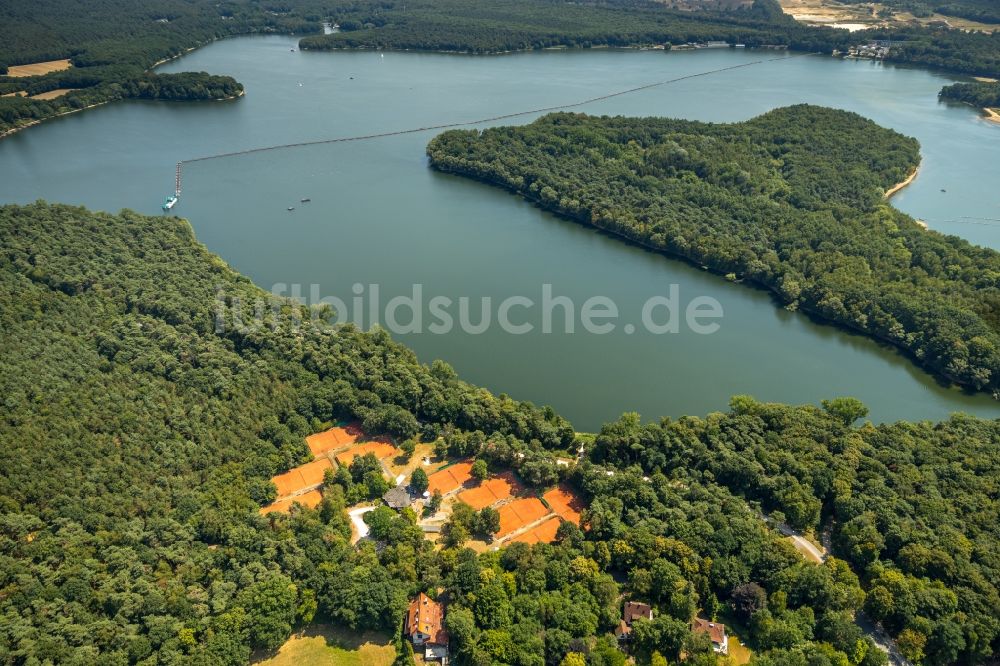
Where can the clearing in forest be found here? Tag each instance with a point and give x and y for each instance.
(333, 646)
(53, 94)
(39, 68)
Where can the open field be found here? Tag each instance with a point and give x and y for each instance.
(38, 68)
(565, 504)
(450, 478)
(309, 499)
(302, 477)
(333, 646)
(381, 449)
(519, 513)
(334, 438)
(53, 94)
(19, 93)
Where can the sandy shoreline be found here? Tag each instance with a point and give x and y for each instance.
(166, 60)
(15, 130)
(992, 115)
(909, 179)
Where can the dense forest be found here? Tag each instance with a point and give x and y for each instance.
(141, 426)
(913, 506)
(791, 201)
(983, 95)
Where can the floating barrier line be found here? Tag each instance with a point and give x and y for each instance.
(505, 116)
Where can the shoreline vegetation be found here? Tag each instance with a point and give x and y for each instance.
(103, 60)
(151, 478)
(815, 231)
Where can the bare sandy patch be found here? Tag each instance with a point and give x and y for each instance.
(39, 68)
(857, 16)
(992, 115)
(896, 188)
(19, 93)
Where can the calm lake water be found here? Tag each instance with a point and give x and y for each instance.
(379, 215)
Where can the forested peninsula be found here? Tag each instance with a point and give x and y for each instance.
(791, 201)
(141, 425)
(980, 94)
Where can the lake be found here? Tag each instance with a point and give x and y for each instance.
(379, 216)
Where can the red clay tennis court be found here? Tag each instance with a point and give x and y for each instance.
(301, 477)
(334, 438)
(519, 513)
(491, 491)
(542, 533)
(565, 504)
(310, 499)
(381, 448)
(450, 478)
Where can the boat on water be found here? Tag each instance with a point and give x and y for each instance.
(291, 208)
(170, 202)
(306, 200)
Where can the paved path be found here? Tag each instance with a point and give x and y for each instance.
(358, 520)
(874, 631)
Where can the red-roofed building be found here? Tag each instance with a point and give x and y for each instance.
(425, 627)
(633, 610)
(716, 633)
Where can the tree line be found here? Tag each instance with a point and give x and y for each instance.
(791, 200)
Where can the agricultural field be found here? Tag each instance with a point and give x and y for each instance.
(38, 68)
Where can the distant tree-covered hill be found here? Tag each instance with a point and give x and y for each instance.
(113, 44)
(792, 200)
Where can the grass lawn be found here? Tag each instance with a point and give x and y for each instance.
(739, 653)
(333, 646)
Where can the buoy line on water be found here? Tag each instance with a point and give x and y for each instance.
(465, 123)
